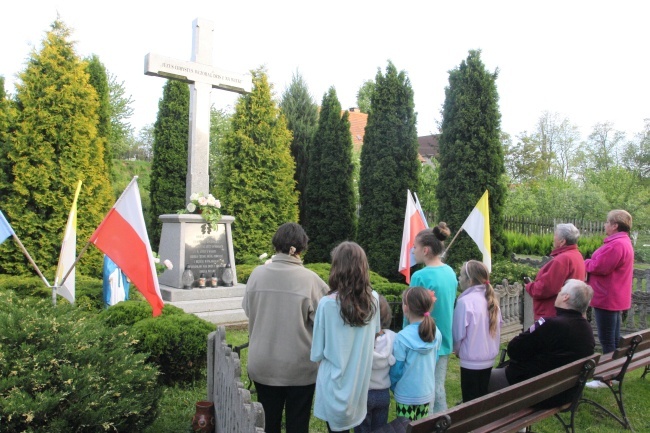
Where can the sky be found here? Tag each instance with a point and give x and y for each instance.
(586, 60)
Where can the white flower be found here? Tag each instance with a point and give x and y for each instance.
(217, 204)
(268, 261)
(168, 264)
(156, 260)
(263, 256)
(191, 207)
(194, 196)
(203, 201)
(211, 200)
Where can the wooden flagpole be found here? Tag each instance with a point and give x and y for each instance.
(38, 271)
(444, 253)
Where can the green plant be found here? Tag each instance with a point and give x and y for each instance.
(209, 208)
(61, 370)
(130, 312)
(513, 272)
(177, 343)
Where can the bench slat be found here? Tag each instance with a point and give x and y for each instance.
(500, 404)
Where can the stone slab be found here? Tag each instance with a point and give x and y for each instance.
(224, 317)
(208, 305)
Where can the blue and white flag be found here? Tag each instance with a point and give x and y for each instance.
(5, 228)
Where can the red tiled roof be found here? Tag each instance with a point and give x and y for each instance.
(358, 121)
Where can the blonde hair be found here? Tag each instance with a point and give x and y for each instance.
(477, 273)
(420, 302)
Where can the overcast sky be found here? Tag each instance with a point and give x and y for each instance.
(587, 60)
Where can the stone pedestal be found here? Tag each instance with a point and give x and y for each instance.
(187, 239)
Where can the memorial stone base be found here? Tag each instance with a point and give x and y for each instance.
(186, 239)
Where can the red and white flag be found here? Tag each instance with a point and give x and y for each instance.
(122, 236)
(413, 224)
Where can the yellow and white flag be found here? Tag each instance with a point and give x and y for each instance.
(477, 226)
(68, 253)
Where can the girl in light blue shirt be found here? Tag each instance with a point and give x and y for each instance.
(347, 320)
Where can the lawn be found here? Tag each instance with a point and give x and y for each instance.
(177, 406)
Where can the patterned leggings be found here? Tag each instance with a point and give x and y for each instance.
(412, 411)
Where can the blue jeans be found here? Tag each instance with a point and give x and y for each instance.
(439, 403)
(609, 328)
(377, 415)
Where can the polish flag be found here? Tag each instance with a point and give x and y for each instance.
(122, 236)
(413, 224)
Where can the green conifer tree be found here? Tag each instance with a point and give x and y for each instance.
(255, 183)
(471, 155)
(169, 166)
(389, 167)
(53, 145)
(329, 196)
(99, 80)
(301, 113)
(5, 123)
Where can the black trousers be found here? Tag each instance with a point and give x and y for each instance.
(474, 383)
(297, 401)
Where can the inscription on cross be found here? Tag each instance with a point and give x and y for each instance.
(202, 77)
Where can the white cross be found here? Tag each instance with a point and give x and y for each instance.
(202, 77)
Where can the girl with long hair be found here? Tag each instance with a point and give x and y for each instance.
(415, 350)
(347, 320)
(441, 280)
(476, 329)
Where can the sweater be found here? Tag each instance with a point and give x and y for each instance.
(382, 359)
(566, 263)
(610, 270)
(412, 377)
(473, 343)
(281, 301)
(443, 282)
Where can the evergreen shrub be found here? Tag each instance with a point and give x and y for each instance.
(513, 272)
(130, 312)
(177, 343)
(62, 370)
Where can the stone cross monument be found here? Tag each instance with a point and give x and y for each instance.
(184, 239)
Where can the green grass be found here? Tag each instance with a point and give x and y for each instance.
(177, 406)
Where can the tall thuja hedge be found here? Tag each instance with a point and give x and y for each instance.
(5, 122)
(53, 143)
(389, 166)
(301, 113)
(471, 156)
(329, 196)
(99, 80)
(169, 166)
(255, 183)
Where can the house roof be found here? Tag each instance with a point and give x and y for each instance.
(428, 146)
(358, 121)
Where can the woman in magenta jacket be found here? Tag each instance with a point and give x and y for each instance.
(609, 273)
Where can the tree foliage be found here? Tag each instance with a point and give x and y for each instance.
(389, 166)
(99, 80)
(219, 127)
(364, 96)
(255, 183)
(329, 196)
(301, 113)
(471, 156)
(121, 111)
(53, 143)
(169, 167)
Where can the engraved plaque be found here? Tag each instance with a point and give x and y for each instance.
(205, 252)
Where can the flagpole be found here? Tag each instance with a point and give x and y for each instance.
(444, 253)
(74, 264)
(38, 271)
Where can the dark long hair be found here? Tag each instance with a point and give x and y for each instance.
(420, 301)
(350, 280)
(434, 238)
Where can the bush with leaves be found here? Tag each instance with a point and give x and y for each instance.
(513, 272)
(130, 312)
(62, 370)
(177, 343)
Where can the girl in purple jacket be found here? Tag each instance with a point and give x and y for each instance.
(476, 329)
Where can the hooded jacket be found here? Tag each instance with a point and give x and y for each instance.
(412, 377)
(382, 359)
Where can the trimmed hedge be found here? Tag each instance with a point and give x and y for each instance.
(62, 370)
(542, 245)
(130, 312)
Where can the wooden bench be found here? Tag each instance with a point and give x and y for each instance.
(514, 407)
(633, 352)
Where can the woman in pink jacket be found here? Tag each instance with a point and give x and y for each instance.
(609, 273)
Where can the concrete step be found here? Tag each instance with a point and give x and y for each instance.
(235, 316)
(170, 294)
(207, 305)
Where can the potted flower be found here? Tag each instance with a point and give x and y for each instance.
(208, 207)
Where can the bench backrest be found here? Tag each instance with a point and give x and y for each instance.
(497, 405)
(640, 340)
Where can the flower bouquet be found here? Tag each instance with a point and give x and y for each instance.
(161, 267)
(208, 207)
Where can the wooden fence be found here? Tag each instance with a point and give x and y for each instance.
(528, 226)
